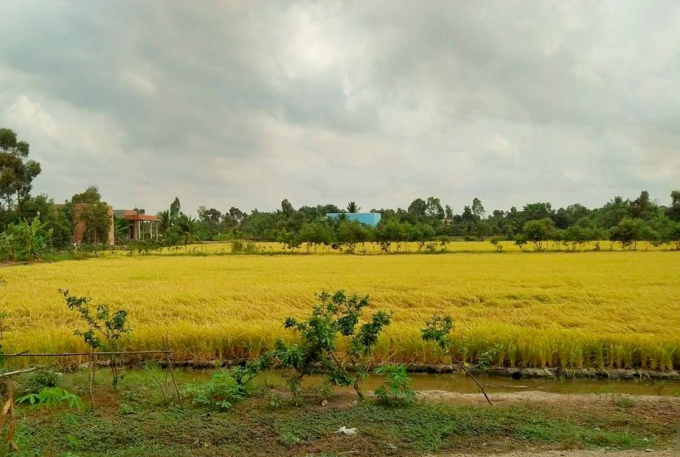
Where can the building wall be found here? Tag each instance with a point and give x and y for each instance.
(371, 219)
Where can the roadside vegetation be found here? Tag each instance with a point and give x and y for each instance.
(135, 422)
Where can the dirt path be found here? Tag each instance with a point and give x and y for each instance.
(547, 397)
(662, 410)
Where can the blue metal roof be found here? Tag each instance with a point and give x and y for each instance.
(371, 219)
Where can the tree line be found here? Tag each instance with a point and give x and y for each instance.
(624, 221)
(31, 224)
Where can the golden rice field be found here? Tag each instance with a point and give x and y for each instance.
(594, 309)
(223, 248)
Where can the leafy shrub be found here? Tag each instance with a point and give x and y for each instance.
(274, 400)
(334, 317)
(42, 379)
(25, 240)
(251, 248)
(396, 390)
(236, 246)
(106, 327)
(521, 241)
(220, 393)
(326, 391)
(52, 397)
(126, 409)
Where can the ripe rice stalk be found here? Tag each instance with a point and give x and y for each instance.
(603, 310)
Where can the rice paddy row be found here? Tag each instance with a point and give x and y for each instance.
(602, 310)
(430, 247)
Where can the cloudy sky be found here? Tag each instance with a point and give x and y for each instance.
(246, 103)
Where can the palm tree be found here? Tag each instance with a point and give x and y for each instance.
(165, 221)
(187, 225)
(352, 207)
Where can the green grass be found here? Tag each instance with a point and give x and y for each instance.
(134, 421)
(252, 429)
(624, 401)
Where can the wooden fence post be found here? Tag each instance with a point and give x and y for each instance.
(91, 379)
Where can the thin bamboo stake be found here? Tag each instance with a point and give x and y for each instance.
(91, 379)
(8, 414)
(25, 370)
(76, 354)
(172, 375)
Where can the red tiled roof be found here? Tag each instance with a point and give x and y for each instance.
(133, 216)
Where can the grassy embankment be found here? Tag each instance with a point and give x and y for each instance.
(134, 421)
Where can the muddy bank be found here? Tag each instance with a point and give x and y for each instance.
(555, 373)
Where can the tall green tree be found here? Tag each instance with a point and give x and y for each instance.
(538, 232)
(434, 210)
(628, 232)
(175, 209)
(643, 207)
(287, 208)
(97, 221)
(613, 212)
(94, 214)
(17, 171)
(535, 211)
(673, 211)
(416, 210)
(90, 196)
(478, 208)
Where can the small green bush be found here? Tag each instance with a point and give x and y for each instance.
(396, 390)
(126, 409)
(326, 390)
(43, 379)
(52, 397)
(236, 246)
(274, 400)
(624, 401)
(220, 393)
(251, 248)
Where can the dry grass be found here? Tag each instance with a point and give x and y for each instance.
(601, 309)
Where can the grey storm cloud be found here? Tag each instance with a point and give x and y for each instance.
(246, 103)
